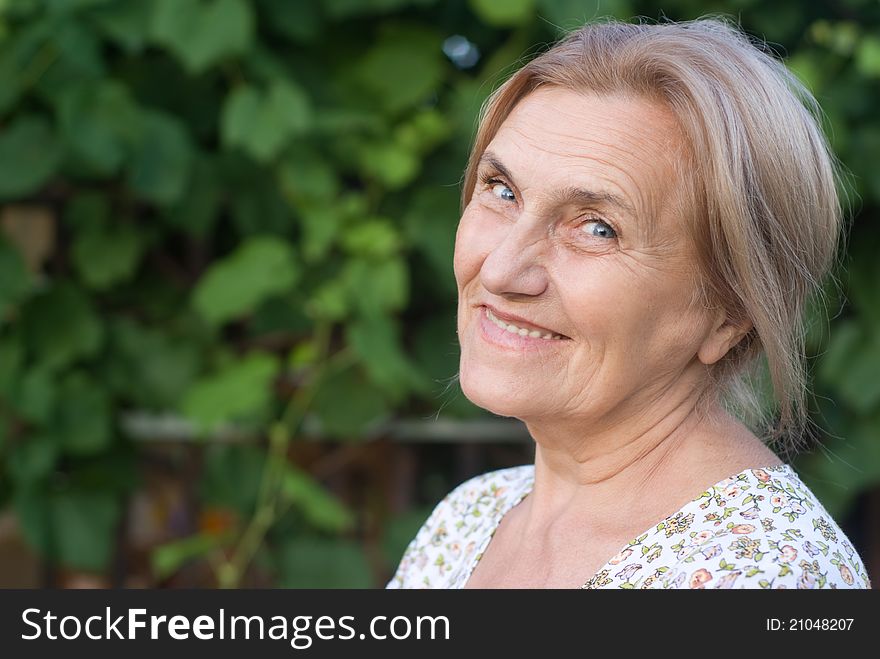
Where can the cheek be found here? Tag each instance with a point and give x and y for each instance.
(474, 240)
(660, 322)
(599, 302)
(628, 313)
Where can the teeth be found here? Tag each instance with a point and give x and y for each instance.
(521, 331)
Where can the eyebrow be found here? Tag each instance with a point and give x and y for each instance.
(569, 194)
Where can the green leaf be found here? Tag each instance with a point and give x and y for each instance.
(320, 508)
(99, 123)
(303, 354)
(391, 163)
(86, 211)
(374, 339)
(436, 354)
(810, 67)
(846, 464)
(571, 14)
(864, 270)
(435, 347)
(77, 57)
(32, 459)
(151, 366)
(11, 60)
(15, 281)
(322, 219)
(840, 37)
(503, 14)
(423, 131)
(82, 421)
(375, 286)
(29, 156)
(263, 123)
(258, 206)
(868, 56)
(404, 66)
(240, 390)
(240, 112)
(197, 211)
(160, 166)
(321, 225)
(306, 178)
(346, 403)
(323, 563)
(283, 314)
(429, 225)
(231, 476)
(168, 558)
(85, 528)
(125, 23)
(259, 268)
(850, 365)
(11, 361)
(341, 9)
(60, 326)
(33, 510)
(845, 339)
(372, 238)
(74, 527)
(330, 301)
(341, 121)
(865, 138)
(203, 32)
(301, 21)
(34, 398)
(108, 255)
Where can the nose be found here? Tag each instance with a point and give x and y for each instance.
(514, 267)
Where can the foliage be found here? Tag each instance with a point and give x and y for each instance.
(219, 176)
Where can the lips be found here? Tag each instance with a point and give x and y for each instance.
(523, 323)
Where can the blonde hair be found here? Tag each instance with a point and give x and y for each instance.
(766, 218)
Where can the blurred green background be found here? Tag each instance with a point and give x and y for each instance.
(227, 333)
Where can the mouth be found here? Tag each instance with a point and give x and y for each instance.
(516, 326)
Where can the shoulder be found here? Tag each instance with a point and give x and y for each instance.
(766, 529)
(479, 494)
(457, 525)
(490, 486)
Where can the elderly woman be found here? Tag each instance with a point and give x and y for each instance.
(646, 211)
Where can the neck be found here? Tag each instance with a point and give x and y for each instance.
(638, 467)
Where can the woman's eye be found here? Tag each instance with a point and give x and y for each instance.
(598, 228)
(503, 192)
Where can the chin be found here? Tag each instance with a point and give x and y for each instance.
(495, 394)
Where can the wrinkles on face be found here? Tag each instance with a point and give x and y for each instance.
(619, 153)
(619, 298)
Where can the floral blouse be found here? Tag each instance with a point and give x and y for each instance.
(761, 528)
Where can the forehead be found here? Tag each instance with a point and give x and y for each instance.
(621, 145)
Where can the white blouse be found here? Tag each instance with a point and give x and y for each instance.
(761, 528)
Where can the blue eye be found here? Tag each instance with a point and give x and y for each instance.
(502, 191)
(599, 229)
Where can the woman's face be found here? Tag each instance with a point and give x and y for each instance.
(573, 232)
